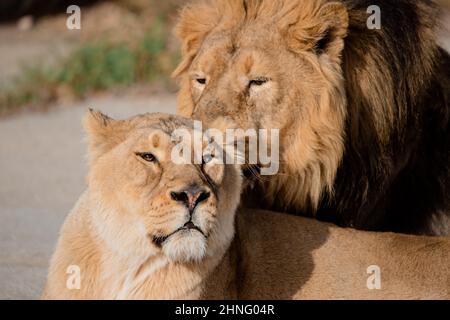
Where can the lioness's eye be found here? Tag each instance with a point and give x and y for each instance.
(207, 158)
(258, 82)
(147, 156)
(201, 80)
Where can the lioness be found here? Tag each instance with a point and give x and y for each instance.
(145, 223)
(147, 228)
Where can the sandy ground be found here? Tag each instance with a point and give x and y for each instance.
(42, 170)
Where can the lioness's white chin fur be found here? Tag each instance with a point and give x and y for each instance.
(185, 246)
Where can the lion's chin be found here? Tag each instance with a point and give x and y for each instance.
(185, 246)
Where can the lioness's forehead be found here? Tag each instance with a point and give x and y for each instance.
(158, 121)
(156, 130)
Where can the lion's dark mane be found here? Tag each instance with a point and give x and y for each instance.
(395, 174)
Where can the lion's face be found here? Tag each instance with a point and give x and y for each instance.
(247, 85)
(271, 65)
(151, 204)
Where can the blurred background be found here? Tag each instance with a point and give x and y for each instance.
(121, 44)
(118, 62)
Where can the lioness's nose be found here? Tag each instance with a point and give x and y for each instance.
(190, 196)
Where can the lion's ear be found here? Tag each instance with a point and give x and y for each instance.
(317, 27)
(195, 21)
(104, 133)
(193, 25)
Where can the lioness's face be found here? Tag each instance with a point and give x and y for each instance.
(182, 211)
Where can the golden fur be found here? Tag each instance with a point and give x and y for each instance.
(111, 233)
(274, 39)
(279, 256)
(363, 114)
(122, 234)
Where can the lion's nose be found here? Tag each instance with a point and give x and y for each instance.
(190, 196)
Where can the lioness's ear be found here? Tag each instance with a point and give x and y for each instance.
(317, 27)
(103, 132)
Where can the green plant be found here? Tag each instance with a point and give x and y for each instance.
(94, 67)
(97, 67)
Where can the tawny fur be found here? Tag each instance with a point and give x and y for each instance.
(278, 256)
(273, 256)
(364, 114)
(273, 37)
(112, 233)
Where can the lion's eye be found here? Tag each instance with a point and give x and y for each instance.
(258, 82)
(149, 157)
(201, 81)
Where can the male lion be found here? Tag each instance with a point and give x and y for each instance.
(364, 114)
(148, 228)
